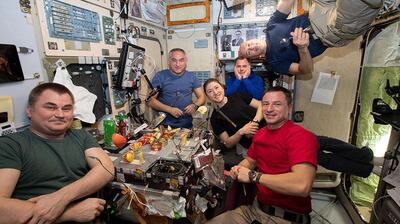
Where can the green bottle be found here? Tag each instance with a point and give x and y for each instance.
(109, 130)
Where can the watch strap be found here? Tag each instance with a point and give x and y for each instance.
(258, 177)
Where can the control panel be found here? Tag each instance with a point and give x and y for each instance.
(265, 7)
(71, 22)
(92, 28)
(245, 13)
(108, 30)
(79, 28)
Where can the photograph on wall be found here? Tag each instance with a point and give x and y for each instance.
(226, 42)
(234, 12)
(230, 39)
(134, 7)
(238, 38)
(251, 34)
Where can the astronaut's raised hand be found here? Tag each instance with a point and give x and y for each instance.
(300, 38)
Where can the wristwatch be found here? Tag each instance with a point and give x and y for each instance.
(253, 176)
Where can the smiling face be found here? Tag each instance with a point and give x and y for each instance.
(215, 91)
(51, 115)
(177, 62)
(275, 109)
(253, 48)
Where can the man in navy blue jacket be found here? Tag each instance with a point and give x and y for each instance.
(289, 49)
(244, 80)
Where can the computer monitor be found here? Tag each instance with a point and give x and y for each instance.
(10, 66)
(130, 66)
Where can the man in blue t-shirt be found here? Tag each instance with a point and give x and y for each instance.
(289, 49)
(244, 80)
(177, 86)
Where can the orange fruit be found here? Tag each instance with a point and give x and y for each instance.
(118, 140)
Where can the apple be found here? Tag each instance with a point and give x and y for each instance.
(128, 156)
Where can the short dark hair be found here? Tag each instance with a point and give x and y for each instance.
(38, 90)
(176, 49)
(288, 94)
(210, 80)
(241, 58)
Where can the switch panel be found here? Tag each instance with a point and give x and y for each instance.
(108, 30)
(71, 22)
(265, 7)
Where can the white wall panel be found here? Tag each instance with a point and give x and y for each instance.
(17, 29)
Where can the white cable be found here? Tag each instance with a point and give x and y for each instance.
(186, 37)
(132, 38)
(137, 198)
(124, 39)
(153, 62)
(130, 201)
(120, 12)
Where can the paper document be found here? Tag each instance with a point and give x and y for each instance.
(325, 88)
